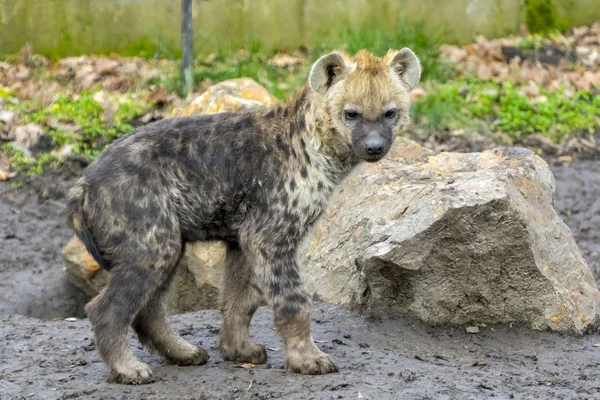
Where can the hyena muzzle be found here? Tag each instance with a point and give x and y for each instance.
(256, 180)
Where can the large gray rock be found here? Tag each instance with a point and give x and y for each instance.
(453, 239)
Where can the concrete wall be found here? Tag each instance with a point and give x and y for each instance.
(63, 27)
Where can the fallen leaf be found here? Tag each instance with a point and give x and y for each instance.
(285, 60)
(247, 366)
(5, 175)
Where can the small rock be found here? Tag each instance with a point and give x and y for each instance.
(26, 136)
(7, 117)
(472, 329)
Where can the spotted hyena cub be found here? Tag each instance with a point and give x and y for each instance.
(256, 180)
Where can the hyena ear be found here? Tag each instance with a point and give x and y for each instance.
(326, 71)
(406, 64)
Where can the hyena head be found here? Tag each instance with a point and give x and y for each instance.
(366, 97)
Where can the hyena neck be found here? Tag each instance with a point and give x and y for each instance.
(317, 135)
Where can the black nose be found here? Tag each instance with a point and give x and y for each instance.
(374, 146)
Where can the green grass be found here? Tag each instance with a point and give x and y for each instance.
(375, 36)
(29, 165)
(92, 134)
(482, 105)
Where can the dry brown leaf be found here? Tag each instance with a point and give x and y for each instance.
(286, 61)
(246, 366)
(5, 175)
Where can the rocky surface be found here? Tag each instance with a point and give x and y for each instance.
(233, 95)
(454, 239)
(398, 359)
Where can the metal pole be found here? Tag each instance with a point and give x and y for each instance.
(186, 46)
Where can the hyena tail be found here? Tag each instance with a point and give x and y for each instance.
(76, 220)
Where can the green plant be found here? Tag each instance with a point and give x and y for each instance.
(477, 104)
(541, 16)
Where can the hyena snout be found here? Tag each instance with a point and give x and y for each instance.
(373, 145)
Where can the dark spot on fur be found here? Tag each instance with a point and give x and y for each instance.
(306, 156)
(284, 198)
(132, 210)
(135, 170)
(293, 185)
(153, 211)
(277, 271)
(303, 172)
(320, 185)
(275, 288)
(270, 114)
(296, 298)
(258, 290)
(295, 202)
(117, 238)
(166, 148)
(301, 123)
(282, 146)
(289, 311)
(280, 186)
(243, 122)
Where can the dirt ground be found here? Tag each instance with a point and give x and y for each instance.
(385, 360)
(378, 360)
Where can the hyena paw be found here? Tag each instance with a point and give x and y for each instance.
(245, 352)
(312, 363)
(196, 356)
(134, 373)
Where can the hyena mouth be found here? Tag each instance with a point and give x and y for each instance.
(372, 159)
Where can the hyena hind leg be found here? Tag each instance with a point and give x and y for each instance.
(154, 331)
(241, 298)
(130, 289)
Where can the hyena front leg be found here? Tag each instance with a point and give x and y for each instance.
(292, 305)
(241, 297)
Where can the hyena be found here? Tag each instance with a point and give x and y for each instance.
(257, 180)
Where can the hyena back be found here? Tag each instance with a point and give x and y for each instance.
(256, 180)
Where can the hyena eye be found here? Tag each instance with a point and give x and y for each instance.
(350, 115)
(390, 113)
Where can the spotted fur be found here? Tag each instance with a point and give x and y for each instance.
(256, 180)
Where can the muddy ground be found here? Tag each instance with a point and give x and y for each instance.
(378, 360)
